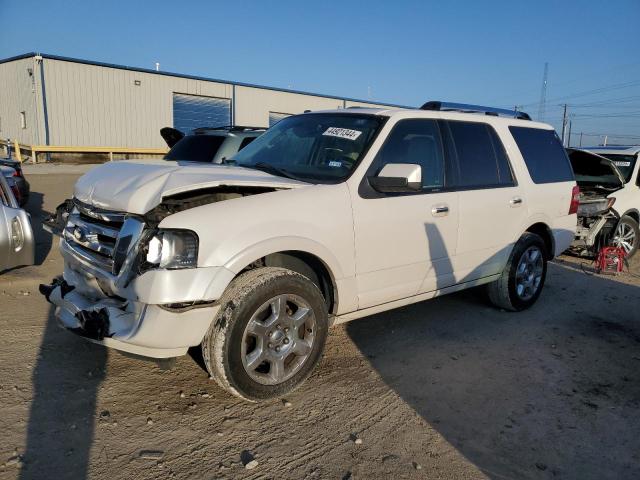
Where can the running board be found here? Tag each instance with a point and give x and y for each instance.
(347, 317)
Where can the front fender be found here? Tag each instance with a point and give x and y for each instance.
(234, 233)
(282, 244)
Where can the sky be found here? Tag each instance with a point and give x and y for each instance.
(396, 51)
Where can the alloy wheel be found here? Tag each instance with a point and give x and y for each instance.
(278, 339)
(529, 273)
(625, 237)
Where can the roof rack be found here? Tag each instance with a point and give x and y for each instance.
(465, 108)
(231, 128)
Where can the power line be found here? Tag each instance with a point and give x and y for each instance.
(612, 135)
(591, 92)
(606, 102)
(600, 70)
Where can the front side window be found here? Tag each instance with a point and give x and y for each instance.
(313, 147)
(482, 160)
(415, 141)
(544, 155)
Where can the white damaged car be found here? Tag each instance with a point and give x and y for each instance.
(325, 218)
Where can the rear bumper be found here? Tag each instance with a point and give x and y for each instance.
(133, 327)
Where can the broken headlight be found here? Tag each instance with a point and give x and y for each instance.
(173, 249)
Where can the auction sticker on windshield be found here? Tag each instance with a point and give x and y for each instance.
(342, 133)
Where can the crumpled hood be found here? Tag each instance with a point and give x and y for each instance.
(137, 186)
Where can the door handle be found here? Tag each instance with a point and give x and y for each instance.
(515, 201)
(439, 210)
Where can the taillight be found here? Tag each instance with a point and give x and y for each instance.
(575, 200)
(17, 173)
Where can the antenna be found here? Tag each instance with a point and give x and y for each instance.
(543, 94)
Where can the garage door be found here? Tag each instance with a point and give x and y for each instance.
(275, 117)
(193, 111)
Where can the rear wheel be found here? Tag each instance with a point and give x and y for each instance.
(627, 236)
(268, 335)
(523, 277)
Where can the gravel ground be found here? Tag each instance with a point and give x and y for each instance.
(449, 388)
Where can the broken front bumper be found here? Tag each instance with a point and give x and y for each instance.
(141, 329)
(158, 314)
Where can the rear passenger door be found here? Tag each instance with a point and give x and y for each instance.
(491, 203)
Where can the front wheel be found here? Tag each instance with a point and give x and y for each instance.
(268, 335)
(627, 236)
(523, 277)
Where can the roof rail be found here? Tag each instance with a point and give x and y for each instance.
(231, 128)
(465, 108)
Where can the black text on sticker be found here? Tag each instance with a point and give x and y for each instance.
(342, 133)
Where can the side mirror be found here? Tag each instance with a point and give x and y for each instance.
(398, 178)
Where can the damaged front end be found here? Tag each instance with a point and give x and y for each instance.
(127, 282)
(116, 292)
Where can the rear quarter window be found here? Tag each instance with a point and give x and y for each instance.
(544, 155)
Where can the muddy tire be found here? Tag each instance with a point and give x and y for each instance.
(523, 277)
(268, 335)
(627, 236)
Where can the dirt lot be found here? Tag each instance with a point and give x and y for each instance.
(450, 388)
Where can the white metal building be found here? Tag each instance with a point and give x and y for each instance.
(52, 100)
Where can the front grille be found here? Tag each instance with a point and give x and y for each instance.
(101, 237)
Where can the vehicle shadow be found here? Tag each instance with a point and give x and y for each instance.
(551, 392)
(43, 239)
(66, 380)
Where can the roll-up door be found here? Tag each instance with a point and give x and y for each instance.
(275, 117)
(194, 111)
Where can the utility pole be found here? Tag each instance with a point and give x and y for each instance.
(605, 140)
(564, 124)
(569, 137)
(580, 139)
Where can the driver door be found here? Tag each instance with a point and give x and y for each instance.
(405, 242)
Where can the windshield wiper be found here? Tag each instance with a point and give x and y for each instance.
(273, 170)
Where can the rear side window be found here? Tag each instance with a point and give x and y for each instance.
(544, 155)
(482, 160)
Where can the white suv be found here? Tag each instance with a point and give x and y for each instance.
(325, 218)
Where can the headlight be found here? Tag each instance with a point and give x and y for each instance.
(173, 249)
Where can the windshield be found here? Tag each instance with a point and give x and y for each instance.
(195, 148)
(625, 164)
(315, 148)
